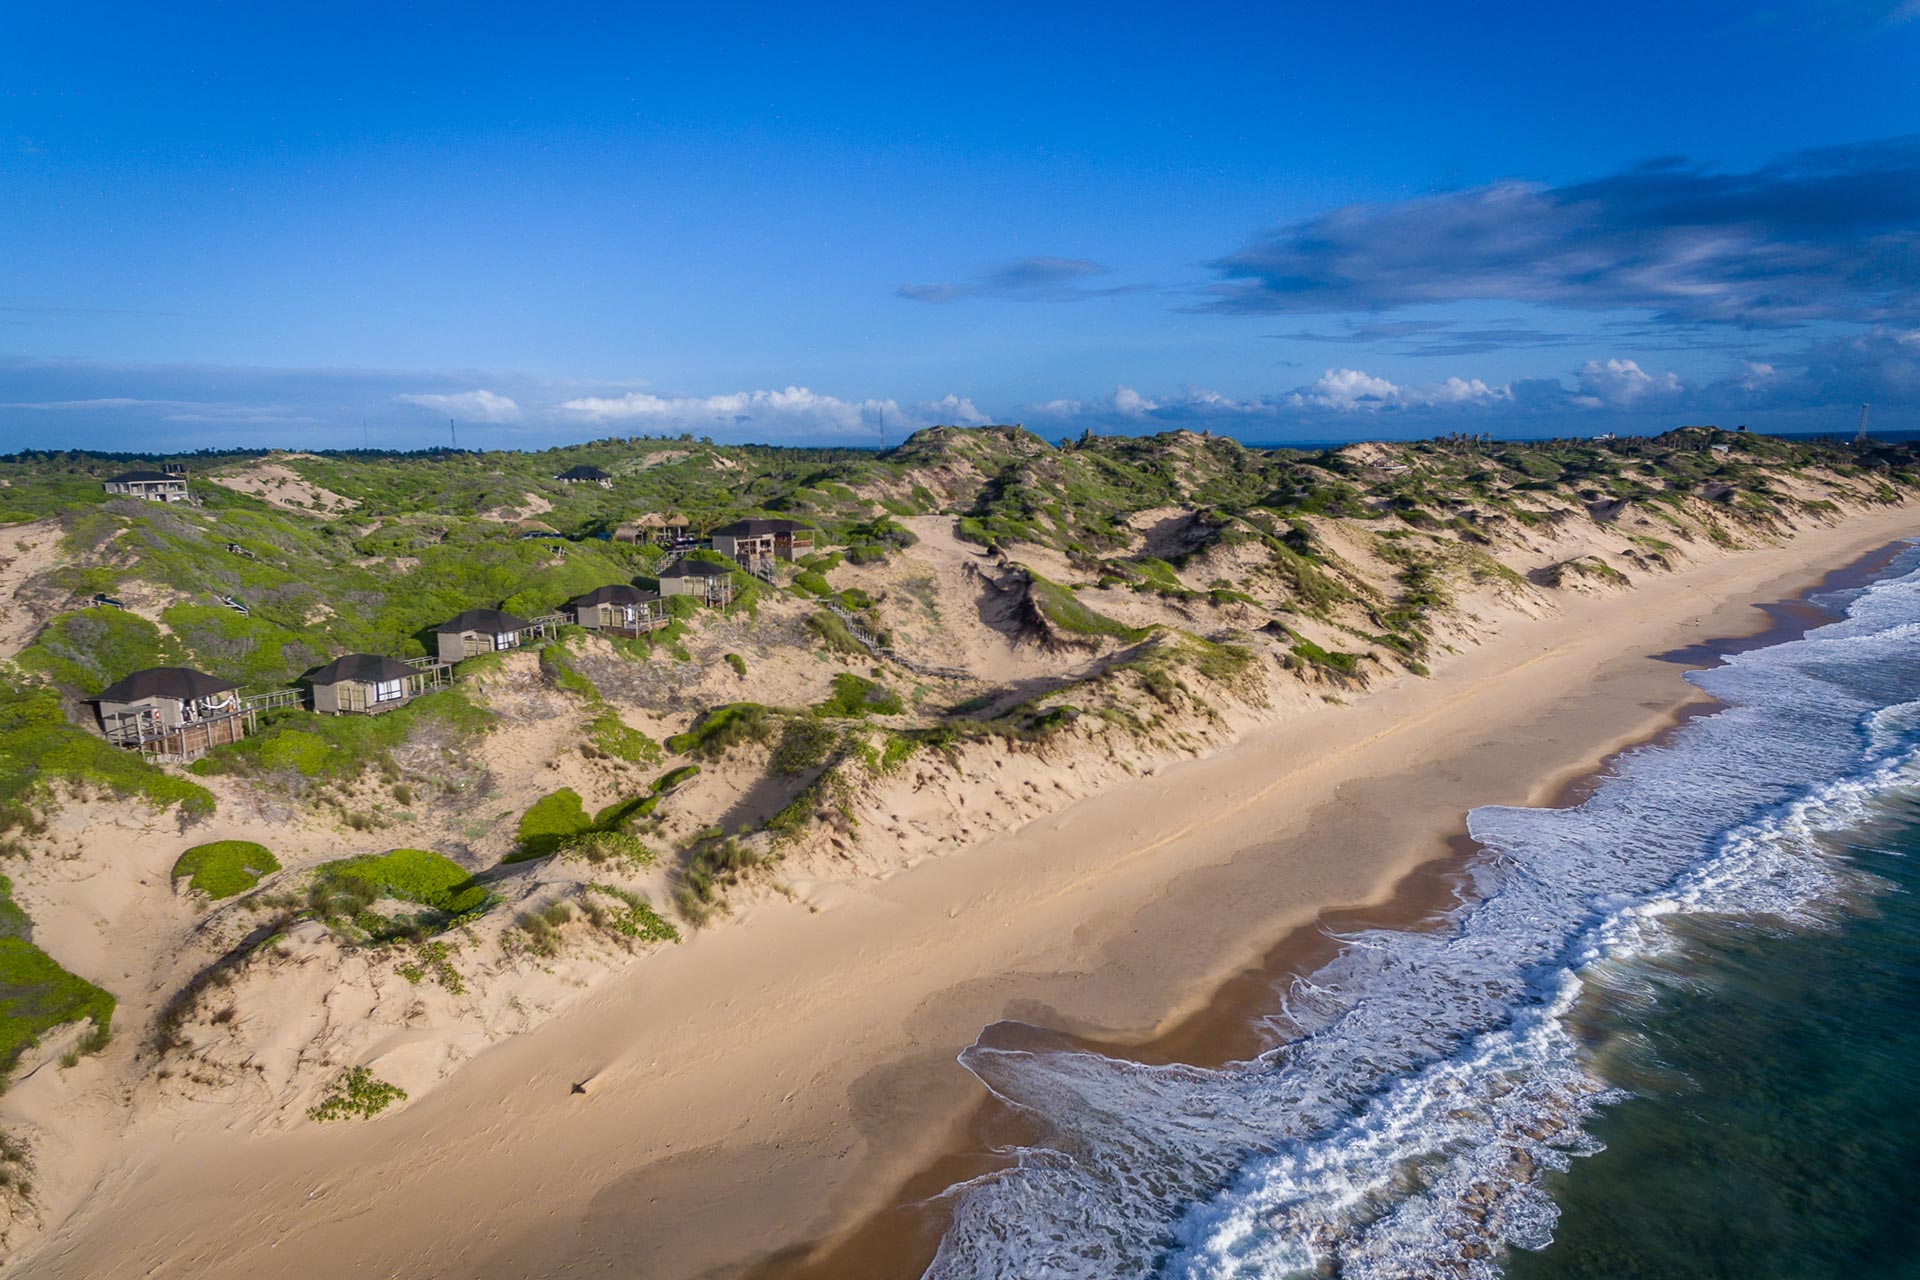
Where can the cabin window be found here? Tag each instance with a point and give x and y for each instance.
(506, 640)
(389, 690)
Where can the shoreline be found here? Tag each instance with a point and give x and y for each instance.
(779, 1080)
(898, 1242)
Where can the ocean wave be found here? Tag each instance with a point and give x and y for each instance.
(1430, 1079)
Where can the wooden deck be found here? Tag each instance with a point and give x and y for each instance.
(185, 742)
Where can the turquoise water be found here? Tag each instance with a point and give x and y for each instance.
(1670, 1031)
(1774, 1124)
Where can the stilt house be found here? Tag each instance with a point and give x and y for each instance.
(479, 631)
(172, 712)
(756, 543)
(365, 683)
(620, 608)
(710, 583)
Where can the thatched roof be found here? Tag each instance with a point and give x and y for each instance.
(368, 668)
(183, 683)
(490, 622)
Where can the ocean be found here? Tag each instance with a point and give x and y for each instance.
(1668, 1031)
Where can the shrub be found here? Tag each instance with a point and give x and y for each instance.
(1063, 609)
(738, 663)
(549, 821)
(357, 1092)
(805, 745)
(412, 875)
(615, 737)
(599, 848)
(1344, 663)
(722, 729)
(36, 994)
(833, 633)
(639, 921)
(714, 860)
(856, 696)
(225, 867)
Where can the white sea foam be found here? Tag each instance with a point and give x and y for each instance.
(1431, 1078)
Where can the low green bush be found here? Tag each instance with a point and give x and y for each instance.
(613, 736)
(856, 696)
(225, 868)
(412, 875)
(833, 633)
(722, 729)
(639, 920)
(357, 1092)
(549, 821)
(36, 994)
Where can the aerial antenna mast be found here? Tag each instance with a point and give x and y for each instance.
(453, 435)
(1862, 437)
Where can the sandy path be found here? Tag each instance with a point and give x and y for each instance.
(764, 1083)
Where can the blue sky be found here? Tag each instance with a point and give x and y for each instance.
(232, 226)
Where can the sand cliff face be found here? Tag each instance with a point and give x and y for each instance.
(991, 686)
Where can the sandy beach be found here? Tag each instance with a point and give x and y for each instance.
(776, 1081)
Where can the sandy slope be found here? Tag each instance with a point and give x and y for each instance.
(764, 1083)
(26, 552)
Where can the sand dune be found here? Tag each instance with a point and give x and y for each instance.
(772, 1079)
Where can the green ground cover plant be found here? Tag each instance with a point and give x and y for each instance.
(225, 868)
(550, 821)
(36, 994)
(356, 1094)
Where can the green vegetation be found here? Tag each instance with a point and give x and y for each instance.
(833, 634)
(36, 994)
(40, 747)
(612, 736)
(357, 1092)
(302, 748)
(608, 848)
(1278, 537)
(1345, 664)
(541, 927)
(637, 920)
(432, 958)
(1064, 612)
(713, 861)
(225, 867)
(855, 696)
(343, 893)
(804, 745)
(548, 823)
(722, 729)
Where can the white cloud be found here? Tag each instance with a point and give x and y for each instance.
(474, 406)
(793, 410)
(1350, 389)
(1621, 384)
(105, 402)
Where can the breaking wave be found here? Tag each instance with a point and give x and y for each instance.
(1429, 1079)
